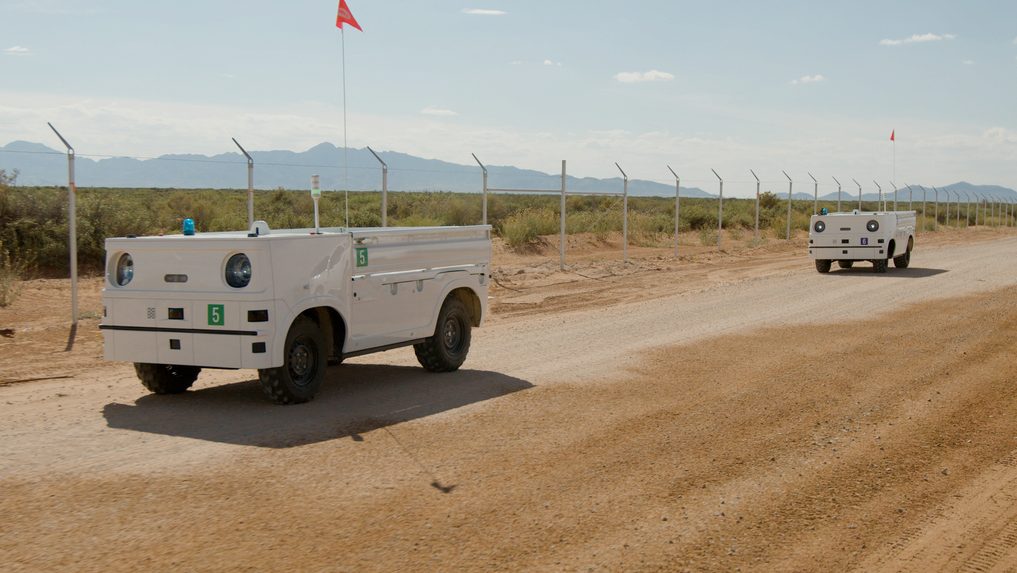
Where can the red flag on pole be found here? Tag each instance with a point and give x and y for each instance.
(891, 133)
(344, 15)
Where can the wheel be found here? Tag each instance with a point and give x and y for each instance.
(845, 264)
(823, 266)
(904, 260)
(879, 265)
(300, 376)
(446, 349)
(166, 378)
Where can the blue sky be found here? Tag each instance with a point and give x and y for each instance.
(801, 86)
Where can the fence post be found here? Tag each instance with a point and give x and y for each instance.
(882, 201)
(956, 219)
(625, 214)
(894, 185)
(561, 216)
(859, 193)
(677, 207)
(720, 209)
(250, 183)
(910, 196)
(815, 202)
(925, 193)
(483, 208)
(935, 226)
(790, 185)
(384, 188)
(72, 225)
(757, 202)
(838, 193)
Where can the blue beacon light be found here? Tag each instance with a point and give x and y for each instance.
(188, 226)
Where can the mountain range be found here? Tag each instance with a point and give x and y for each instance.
(39, 165)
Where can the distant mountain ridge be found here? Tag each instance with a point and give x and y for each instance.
(41, 165)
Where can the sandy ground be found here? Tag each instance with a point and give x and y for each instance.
(719, 411)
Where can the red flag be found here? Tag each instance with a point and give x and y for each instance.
(891, 133)
(344, 15)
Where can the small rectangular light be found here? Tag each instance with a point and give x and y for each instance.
(258, 347)
(257, 316)
(175, 314)
(175, 278)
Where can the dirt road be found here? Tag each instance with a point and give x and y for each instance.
(714, 413)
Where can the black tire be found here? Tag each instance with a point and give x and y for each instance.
(823, 266)
(880, 265)
(904, 260)
(303, 370)
(845, 264)
(446, 349)
(166, 378)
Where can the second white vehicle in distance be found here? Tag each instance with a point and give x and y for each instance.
(876, 236)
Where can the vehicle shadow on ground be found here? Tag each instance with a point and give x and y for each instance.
(908, 273)
(354, 399)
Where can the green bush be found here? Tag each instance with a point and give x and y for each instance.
(523, 228)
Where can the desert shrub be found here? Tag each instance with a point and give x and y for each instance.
(768, 200)
(11, 274)
(524, 227)
(699, 217)
(708, 237)
(416, 221)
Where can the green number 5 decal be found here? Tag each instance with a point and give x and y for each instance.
(216, 315)
(361, 256)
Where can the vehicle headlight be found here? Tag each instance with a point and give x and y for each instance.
(238, 271)
(124, 271)
(819, 226)
(872, 226)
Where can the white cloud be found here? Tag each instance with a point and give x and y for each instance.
(809, 79)
(968, 62)
(552, 63)
(438, 112)
(18, 51)
(918, 39)
(637, 77)
(1015, 41)
(483, 12)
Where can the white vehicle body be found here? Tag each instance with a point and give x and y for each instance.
(862, 236)
(367, 290)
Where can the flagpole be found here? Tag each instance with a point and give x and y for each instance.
(346, 163)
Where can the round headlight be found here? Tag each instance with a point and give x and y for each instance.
(124, 270)
(872, 226)
(238, 271)
(819, 226)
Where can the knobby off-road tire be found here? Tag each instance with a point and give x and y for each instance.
(880, 265)
(166, 378)
(823, 266)
(300, 376)
(446, 349)
(845, 264)
(904, 260)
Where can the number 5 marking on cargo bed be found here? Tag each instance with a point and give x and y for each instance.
(216, 315)
(361, 256)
